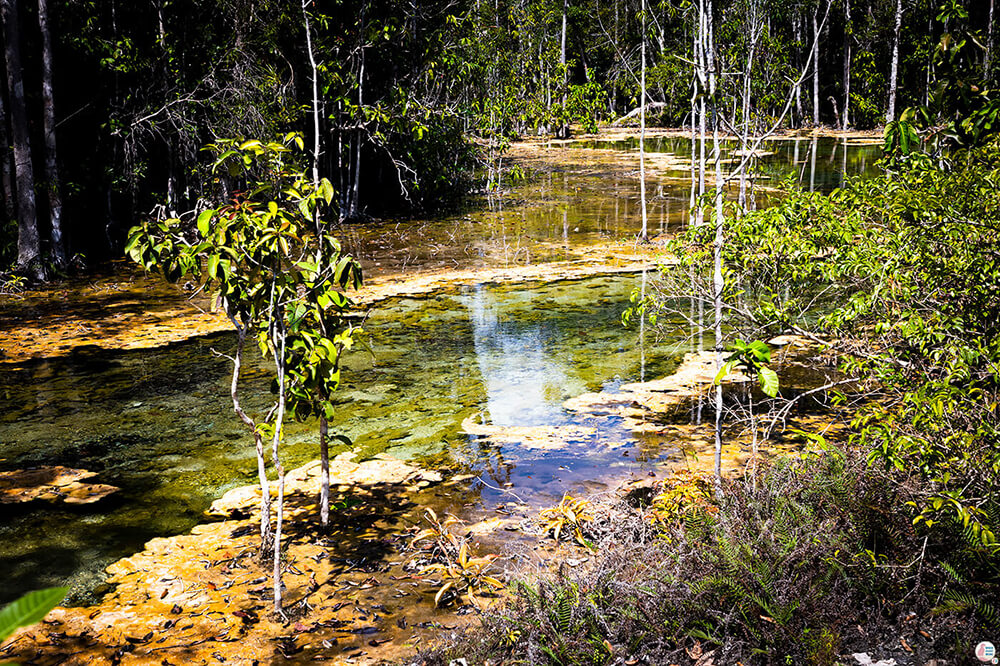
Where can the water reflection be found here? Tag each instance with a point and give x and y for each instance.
(158, 423)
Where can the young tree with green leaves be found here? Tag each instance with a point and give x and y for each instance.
(268, 259)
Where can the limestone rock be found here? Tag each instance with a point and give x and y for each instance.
(52, 484)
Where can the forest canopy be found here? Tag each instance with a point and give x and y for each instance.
(108, 104)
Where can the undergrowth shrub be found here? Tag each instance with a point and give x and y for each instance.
(814, 561)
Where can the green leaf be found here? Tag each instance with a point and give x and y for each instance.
(204, 218)
(723, 371)
(29, 609)
(326, 187)
(768, 381)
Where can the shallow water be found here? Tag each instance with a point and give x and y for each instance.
(816, 163)
(158, 423)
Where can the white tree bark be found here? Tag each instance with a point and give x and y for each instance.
(49, 130)
(848, 44)
(815, 58)
(989, 42)
(890, 113)
(644, 234)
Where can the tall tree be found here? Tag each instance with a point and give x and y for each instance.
(644, 234)
(989, 42)
(29, 250)
(49, 127)
(890, 113)
(848, 30)
(815, 57)
(5, 169)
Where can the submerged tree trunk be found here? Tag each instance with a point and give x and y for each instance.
(49, 123)
(29, 249)
(890, 113)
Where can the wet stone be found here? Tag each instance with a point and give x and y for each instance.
(52, 484)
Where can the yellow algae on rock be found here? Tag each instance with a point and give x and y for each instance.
(530, 437)
(52, 484)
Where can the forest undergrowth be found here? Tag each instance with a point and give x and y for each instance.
(806, 566)
(885, 544)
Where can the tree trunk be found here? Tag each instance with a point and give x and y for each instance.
(989, 43)
(10, 210)
(265, 490)
(816, 66)
(324, 463)
(29, 250)
(644, 234)
(717, 280)
(563, 130)
(890, 113)
(848, 35)
(797, 38)
(278, 339)
(314, 70)
(49, 125)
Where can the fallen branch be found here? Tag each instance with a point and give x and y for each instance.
(637, 110)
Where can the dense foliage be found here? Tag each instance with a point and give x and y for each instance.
(810, 564)
(900, 274)
(138, 88)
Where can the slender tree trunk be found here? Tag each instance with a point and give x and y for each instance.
(278, 339)
(29, 249)
(324, 463)
(49, 123)
(816, 66)
(890, 113)
(754, 26)
(562, 40)
(324, 448)
(930, 56)
(356, 187)
(314, 70)
(717, 280)
(265, 490)
(989, 43)
(797, 30)
(6, 177)
(848, 44)
(644, 234)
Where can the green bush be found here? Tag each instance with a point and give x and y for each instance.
(784, 573)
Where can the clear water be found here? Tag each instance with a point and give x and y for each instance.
(158, 423)
(817, 163)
